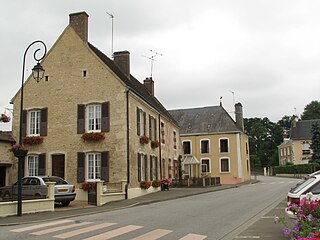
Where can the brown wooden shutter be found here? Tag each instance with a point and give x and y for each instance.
(144, 123)
(151, 167)
(80, 167)
(155, 129)
(139, 168)
(44, 122)
(105, 115)
(150, 128)
(24, 123)
(138, 122)
(105, 166)
(156, 162)
(42, 164)
(146, 166)
(81, 119)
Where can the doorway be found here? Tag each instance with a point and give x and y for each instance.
(2, 176)
(58, 165)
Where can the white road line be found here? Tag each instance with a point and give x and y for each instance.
(153, 235)
(114, 233)
(248, 237)
(192, 236)
(83, 230)
(42, 225)
(56, 229)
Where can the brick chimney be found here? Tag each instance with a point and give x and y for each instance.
(239, 116)
(122, 59)
(79, 22)
(149, 84)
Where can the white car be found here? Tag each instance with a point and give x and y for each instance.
(310, 185)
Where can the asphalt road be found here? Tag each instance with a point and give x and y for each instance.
(215, 215)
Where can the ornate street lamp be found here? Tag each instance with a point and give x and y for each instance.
(37, 73)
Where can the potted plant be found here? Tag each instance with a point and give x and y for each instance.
(154, 144)
(144, 140)
(145, 184)
(4, 118)
(88, 186)
(19, 150)
(32, 140)
(156, 183)
(165, 184)
(93, 136)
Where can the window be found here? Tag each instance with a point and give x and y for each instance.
(175, 169)
(94, 117)
(205, 165)
(93, 166)
(174, 139)
(224, 165)
(247, 149)
(141, 122)
(186, 147)
(162, 132)
(152, 128)
(153, 168)
(224, 145)
(204, 146)
(33, 165)
(142, 167)
(306, 148)
(34, 122)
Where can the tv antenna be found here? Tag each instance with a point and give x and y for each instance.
(112, 17)
(152, 59)
(232, 97)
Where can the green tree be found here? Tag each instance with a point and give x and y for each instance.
(285, 122)
(315, 145)
(311, 111)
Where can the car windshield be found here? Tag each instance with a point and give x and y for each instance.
(297, 188)
(56, 180)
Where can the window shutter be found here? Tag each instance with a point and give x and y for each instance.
(42, 164)
(151, 168)
(150, 128)
(139, 167)
(105, 115)
(81, 119)
(105, 166)
(156, 167)
(155, 129)
(138, 122)
(144, 123)
(44, 122)
(80, 167)
(146, 166)
(24, 123)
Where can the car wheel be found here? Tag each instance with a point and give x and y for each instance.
(66, 203)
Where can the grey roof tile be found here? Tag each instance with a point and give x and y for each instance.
(302, 130)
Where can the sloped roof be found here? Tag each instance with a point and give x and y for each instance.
(205, 120)
(302, 130)
(136, 86)
(190, 160)
(6, 136)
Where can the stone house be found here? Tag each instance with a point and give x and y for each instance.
(95, 121)
(296, 149)
(6, 161)
(214, 144)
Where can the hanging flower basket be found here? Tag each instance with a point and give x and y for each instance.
(145, 184)
(19, 151)
(154, 144)
(144, 140)
(88, 186)
(32, 140)
(93, 136)
(4, 118)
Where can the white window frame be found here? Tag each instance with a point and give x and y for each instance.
(220, 165)
(228, 144)
(34, 118)
(93, 166)
(206, 164)
(95, 115)
(190, 142)
(32, 165)
(208, 146)
(142, 167)
(153, 171)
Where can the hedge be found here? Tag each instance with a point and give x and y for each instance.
(297, 169)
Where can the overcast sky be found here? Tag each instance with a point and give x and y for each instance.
(264, 54)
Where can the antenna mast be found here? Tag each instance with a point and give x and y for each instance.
(154, 54)
(111, 16)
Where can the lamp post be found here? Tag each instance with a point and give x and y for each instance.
(37, 73)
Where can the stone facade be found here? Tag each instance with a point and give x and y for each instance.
(6, 160)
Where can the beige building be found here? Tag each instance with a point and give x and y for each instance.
(214, 144)
(89, 119)
(296, 149)
(6, 161)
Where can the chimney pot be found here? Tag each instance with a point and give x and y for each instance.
(79, 22)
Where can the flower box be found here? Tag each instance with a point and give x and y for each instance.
(88, 186)
(4, 118)
(154, 144)
(34, 140)
(93, 136)
(144, 140)
(145, 184)
(19, 150)
(156, 183)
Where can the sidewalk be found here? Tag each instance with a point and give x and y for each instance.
(78, 208)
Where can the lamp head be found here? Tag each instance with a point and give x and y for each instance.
(38, 72)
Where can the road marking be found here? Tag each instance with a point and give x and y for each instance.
(248, 237)
(51, 230)
(41, 226)
(114, 233)
(83, 230)
(267, 217)
(192, 236)
(153, 235)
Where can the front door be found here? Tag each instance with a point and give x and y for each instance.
(2, 176)
(58, 165)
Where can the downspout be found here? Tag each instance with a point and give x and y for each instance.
(160, 159)
(128, 148)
